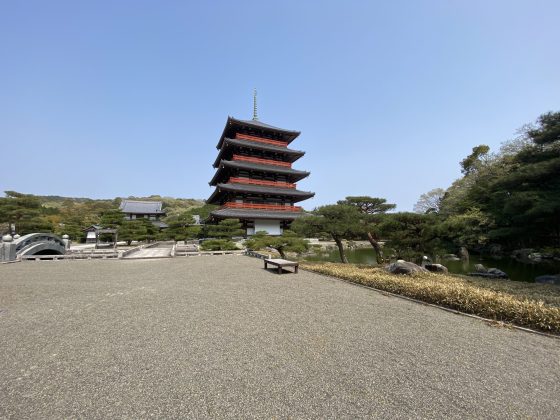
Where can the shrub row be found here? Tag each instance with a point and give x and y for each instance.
(451, 292)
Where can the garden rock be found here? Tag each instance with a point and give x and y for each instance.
(479, 268)
(405, 267)
(548, 279)
(497, 273)
(436, 268)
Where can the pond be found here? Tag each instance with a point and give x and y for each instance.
(516, 270)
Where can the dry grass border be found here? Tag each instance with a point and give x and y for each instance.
(455, 293)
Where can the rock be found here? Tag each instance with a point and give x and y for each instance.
(404, 267)
(495, 249)
(436, 268)
(497, 273)
(548, 279)
(451, 257)
(479, 268)
(463, 253)
(522, 254)
(535, 256)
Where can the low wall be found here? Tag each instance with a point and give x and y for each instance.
(256, 254)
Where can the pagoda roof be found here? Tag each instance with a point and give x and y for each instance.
(291, 153)
(257, 126)
(261, 189)
(256, 167)
(255, 214)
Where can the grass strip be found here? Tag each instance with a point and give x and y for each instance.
(493, 302)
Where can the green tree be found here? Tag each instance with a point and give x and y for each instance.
(225, 229)
(180, 227)
(469, 229)
(472, 162)
(132, 230)
(25, 212)
(371, 208)
(287, 242)
(411, 235)
(339, 221)
(111, 218)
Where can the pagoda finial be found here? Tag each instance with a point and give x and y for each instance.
(255, 117)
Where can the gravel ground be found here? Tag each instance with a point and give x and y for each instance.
(220, 337)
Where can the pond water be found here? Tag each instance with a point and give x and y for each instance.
(516, 270)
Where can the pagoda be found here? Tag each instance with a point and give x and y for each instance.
(255, 181)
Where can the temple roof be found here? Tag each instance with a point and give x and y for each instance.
(249, 166)
(255, 214)
(233, 125)
(261, 189)
(141, 207)
(291, 153)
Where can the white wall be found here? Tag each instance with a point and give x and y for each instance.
(272, 227)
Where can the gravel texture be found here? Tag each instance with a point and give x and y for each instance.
(220, 337)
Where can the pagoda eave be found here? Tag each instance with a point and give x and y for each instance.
(265, 191)
(257, 126)
(290, 155)
(243, 214)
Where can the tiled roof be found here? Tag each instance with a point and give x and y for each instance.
(232, 123)
(141, 207)
(260, 124)
(255, 214)
(249, 166)
(292, 154)
(261, 189)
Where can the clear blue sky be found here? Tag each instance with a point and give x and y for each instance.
(117, 98)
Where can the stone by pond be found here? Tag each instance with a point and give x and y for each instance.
(515, 270)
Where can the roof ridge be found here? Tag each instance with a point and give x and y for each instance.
(141, 201)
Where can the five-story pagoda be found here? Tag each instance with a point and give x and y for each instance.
(255, 181)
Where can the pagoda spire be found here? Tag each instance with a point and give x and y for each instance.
(255, 117)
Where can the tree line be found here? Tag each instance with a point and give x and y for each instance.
(503, 201)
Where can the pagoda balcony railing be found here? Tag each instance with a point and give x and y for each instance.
(261, 140)
(262, 161)
(234, 180)
(254, 206)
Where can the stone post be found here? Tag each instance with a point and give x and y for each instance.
(7, 246)
(67, 242)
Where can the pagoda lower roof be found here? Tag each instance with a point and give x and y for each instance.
(255, 214)
(292, 154)
(261, 189)
(233, 125)
(256, 167)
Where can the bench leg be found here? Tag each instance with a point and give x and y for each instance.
(279, 269)
(265, 265)
(296, 269)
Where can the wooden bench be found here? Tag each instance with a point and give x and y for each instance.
(280, 263)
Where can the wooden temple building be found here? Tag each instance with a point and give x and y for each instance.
(255, 181)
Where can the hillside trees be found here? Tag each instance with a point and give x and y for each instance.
(515, 194)
(24, 212)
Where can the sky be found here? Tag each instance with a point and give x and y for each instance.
(122, 98)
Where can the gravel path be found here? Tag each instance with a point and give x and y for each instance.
(220, 337)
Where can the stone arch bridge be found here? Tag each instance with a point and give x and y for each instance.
(31, 244)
